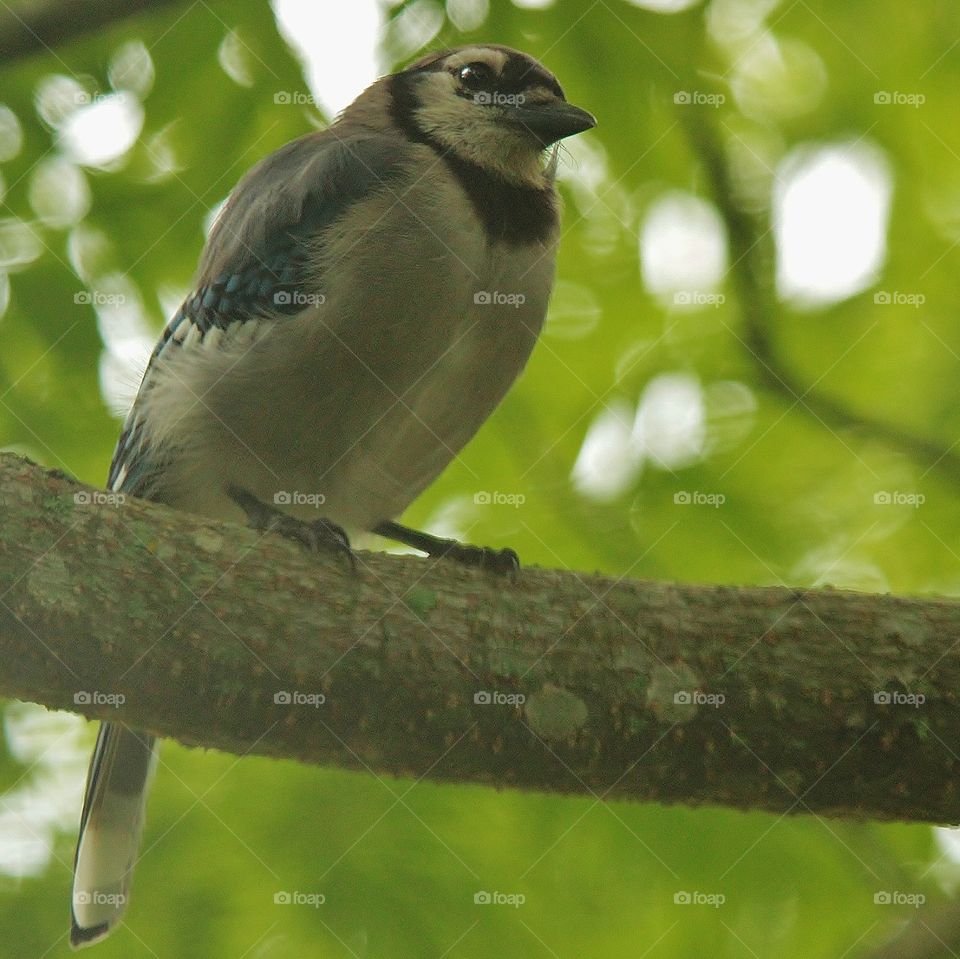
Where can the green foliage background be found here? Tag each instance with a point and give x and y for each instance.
(399, 862)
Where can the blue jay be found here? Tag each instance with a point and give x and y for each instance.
(365, 299)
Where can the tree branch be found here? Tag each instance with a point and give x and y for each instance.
(932, 935)
(29, 27)
(757, 698)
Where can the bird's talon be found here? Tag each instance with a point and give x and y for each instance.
(503, 562)
(331, 537)
(506, 562)
(316, 536)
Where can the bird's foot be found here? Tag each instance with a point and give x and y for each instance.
(504, 562)
(317, 536)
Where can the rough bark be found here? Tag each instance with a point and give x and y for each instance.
(785, 700)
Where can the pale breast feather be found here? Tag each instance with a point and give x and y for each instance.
(259, 264)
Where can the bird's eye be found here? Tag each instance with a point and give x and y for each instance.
(476, 76)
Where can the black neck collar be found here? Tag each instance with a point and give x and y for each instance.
(518, 215)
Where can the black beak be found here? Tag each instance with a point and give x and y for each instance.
(549, 122)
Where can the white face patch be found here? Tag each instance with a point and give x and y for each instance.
(475, 130)
(495, 59)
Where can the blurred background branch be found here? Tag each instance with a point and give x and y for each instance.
(928, 934)
(29, 27)
(752, 275)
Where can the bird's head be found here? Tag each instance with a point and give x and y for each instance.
(489, 105)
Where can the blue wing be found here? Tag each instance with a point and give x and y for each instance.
(257, 261)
